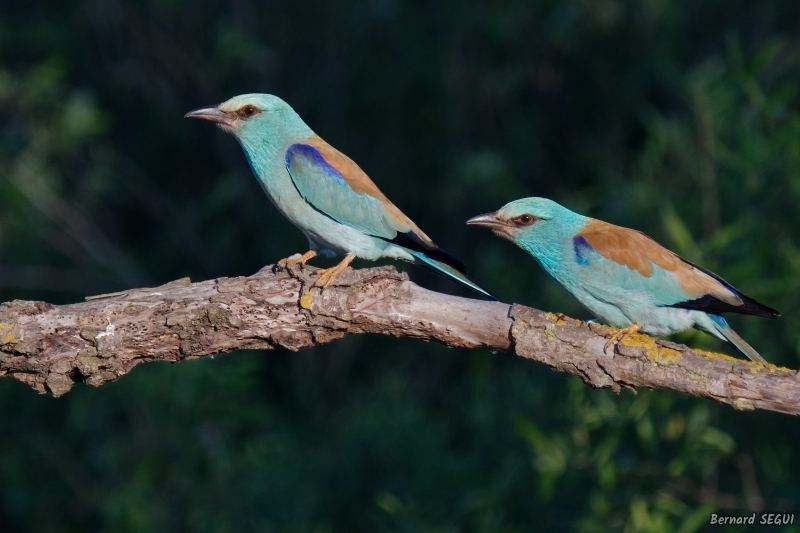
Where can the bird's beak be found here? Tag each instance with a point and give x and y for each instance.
(489, 220)
(212, 114)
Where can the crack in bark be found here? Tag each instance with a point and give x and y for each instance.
(51, 348)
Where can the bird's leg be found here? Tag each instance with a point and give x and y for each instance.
(311, 254)
(617, 337)
(326, 276)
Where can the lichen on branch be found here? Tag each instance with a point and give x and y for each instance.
(51, 348)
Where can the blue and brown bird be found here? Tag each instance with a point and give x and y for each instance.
(324, 193)
(626, 279)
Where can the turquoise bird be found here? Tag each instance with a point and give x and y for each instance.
(324, 193)
(624, 277)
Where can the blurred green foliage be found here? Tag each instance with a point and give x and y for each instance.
(681, 119)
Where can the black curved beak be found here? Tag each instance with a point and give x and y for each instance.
(211, 114)
(488, 220)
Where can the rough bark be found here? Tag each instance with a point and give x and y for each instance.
(53, 347)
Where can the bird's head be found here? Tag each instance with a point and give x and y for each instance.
(250, 116)
(530, 220)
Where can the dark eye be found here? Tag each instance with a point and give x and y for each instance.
(247, 111)
(525, 220)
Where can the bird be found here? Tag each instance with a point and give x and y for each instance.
(325, 193)
(625, 278)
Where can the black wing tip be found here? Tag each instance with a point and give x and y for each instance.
(774, 314)
(411, 241)
(448, 259)
(768, 311)
(756, 308)
(710, 304)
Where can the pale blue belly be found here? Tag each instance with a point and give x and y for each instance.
(622, 310)
(325, 235)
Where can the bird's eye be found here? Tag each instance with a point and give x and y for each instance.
(247, 111)
(525, 220)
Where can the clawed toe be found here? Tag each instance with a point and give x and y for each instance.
(296, 259)
(327, 276)
(619, 335)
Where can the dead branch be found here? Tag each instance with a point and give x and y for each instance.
(53, 347)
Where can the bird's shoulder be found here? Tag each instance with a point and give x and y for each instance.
(627, 247)
(360, 183)
(355, 177)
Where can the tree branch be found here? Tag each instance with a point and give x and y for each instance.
(53, 347)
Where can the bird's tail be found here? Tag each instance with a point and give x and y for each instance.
(733, 338)
(449, 272)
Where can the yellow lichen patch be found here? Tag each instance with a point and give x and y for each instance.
(305, 299)
(552, 316)
(561, 319)
(601, 328)
(720, 356)
(658, 354)
(667, 355)
(6, 337)
(754, 366)
(740, 404)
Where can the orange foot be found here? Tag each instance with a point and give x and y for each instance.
(326, 275)
(617, 337)
(311, 254)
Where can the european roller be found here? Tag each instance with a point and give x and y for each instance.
(323, 192)
(626, 279)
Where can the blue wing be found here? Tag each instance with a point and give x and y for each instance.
(330, 191)
(612, 282)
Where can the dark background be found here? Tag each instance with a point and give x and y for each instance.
(679, 118)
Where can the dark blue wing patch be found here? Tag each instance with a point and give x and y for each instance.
(582, 249)
(312, 153)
